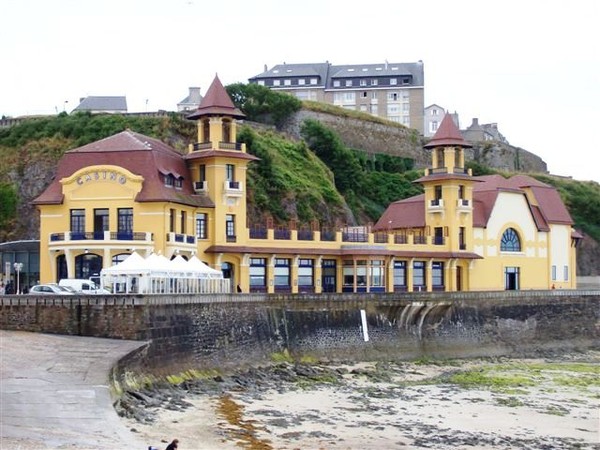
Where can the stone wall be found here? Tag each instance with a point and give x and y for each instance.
(188, 331)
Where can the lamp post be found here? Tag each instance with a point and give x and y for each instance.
(18, 267)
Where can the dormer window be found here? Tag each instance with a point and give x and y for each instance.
(169, 180)
(178, 183)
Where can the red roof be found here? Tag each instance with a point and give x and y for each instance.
(447, 134)
(141, 155)
(549, 208)
(216, 102)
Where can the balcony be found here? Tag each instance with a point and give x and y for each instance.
(230, 146)
(101, 236)
(202, 146)
(233, 188)
(435, 205)
(181, 242)
(463, 205)
(201, 187)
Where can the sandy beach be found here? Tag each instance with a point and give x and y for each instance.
(476, 404)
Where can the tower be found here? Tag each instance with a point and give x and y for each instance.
(218, 165)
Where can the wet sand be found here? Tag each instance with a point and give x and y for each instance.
(500, 404)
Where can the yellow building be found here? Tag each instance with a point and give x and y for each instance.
(132, 192)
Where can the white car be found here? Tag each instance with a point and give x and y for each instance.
(50, 289)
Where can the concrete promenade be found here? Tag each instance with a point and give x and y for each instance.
(54, 393)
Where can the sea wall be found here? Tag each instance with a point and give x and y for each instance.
(216, 331)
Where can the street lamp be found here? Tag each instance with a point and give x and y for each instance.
(18, 267)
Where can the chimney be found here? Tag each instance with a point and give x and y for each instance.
(475, 122)
(265, 68)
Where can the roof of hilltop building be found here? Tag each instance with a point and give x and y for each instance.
(102, 104)
(326, 72)
(141, 155)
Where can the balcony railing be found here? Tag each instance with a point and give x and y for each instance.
(180, 238)
(102, 236)
(230, 145)
(400, 239)
(380, 238)
(305, 235)
(420, 240)
(233, 188)
(202, 146)
(258, 233)
(355, 236)
(282, 234)
(438, 240)
(231, 238)
(200, 186)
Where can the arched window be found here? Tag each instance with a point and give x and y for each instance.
(206, 130)
(227, 130)
(510, 241)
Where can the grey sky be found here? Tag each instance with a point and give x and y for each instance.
(531, 66)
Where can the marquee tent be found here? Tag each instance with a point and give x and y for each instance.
(157, 274)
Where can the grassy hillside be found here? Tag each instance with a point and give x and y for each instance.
(314, 179)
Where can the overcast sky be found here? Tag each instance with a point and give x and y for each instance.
(531, 66)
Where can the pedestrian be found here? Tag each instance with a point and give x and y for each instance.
(1, 288)
(173, 445)
(8, 290)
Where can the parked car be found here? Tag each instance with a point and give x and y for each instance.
(82, 286)
(51, 289)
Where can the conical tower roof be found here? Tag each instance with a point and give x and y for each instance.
(447, 134)
(216, 102)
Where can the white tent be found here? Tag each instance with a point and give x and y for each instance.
(159, 275)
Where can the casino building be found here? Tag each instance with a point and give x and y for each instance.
(130, 192)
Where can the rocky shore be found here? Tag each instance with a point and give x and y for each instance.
(549, 403)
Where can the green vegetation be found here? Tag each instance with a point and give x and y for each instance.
(8, 204)
(261, 104)
(289, 181)
(582, 199)
(369, 184)
(82, 128)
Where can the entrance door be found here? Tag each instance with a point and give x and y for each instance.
(227, 269)
(328, 277)
(511, 278)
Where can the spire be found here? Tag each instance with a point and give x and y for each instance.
(447, 134)
(216, 102)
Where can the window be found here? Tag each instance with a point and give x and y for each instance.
(510, 241)
(553, 273)
(439, 156)
(178, 183)
(287, 82)
(437, 275)
(281, 273)
(276, 82)
(230, 227)
(400, 274)
(434, 112)
(201, 226)
(437, 192)
(261, 82)
(169, 180)
(393, 81)
(462, 244)
(301, 82)
(377, 274)
(183, 222)
(405, 81)
(392, 96)
(364, 94)
(419, 276)
(363, 82)
(313, 81)
(230, 172)
(348, 83)
(336, 83)
(206, 130)
(172, 216)
(226, 126)
(202, 170)
(305, 272)
(348, 274)
(438, 238)
(361, 273)
(101, 222)
(566, 273)
(78, 222)
(433, 126)
(374, 82)
(349, 97)
(258, 272)
(461, 192)
(125, 221)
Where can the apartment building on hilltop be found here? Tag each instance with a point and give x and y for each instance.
(394, 91)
